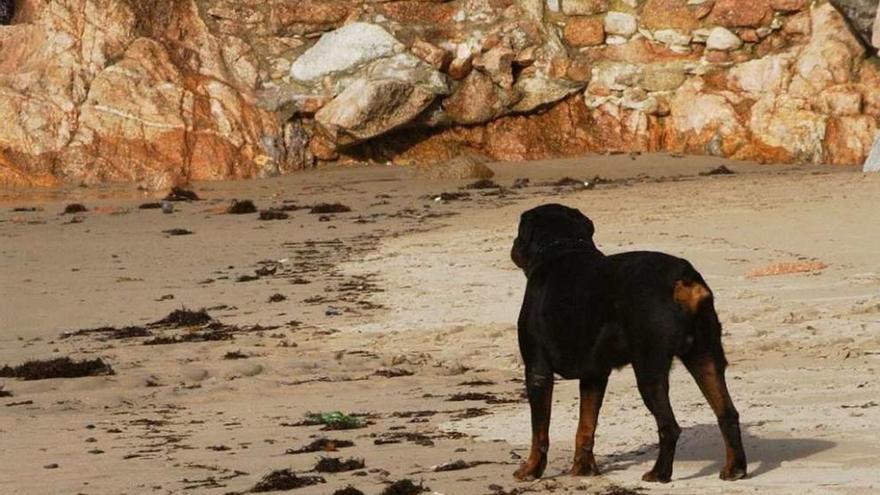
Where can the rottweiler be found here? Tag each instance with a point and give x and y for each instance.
(585, 314)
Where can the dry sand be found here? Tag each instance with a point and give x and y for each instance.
(405, 283)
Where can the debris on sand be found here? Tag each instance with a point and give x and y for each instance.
(26, 209)
(337, 465)
(57, 368)
(334, 420)
(242, 207)
(619, 490)
(323, 208)
(722, 170)
(150, 206)
(451, 196)
(322, 445)
(393, 372)
(464, 396)
(349, 490)
(4, 392)
(483, 184)
(457, 465)
(404, 487)
(175, 232)
(110, 333)
(236, 355)
(273, 214)
(181, 194)
(284, 479)
(520, 183)
(400, 436)
(476, 383)
(74, 208)
(471, 412)
(211, 335)
(274, 298)
(787, 268)
(184, 318)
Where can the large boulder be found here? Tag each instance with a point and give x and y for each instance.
(368, 108)
(344, 50)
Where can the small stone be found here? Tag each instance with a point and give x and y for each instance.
(584, 31)
(433, 55)
(723, 40)
(584, 7)
(621, 24)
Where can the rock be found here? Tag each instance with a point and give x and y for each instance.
(828, 57)
(788, 5)
(463, 166)
(849, 139)
(368, 108)
(741, 13)
(872, 163)
(722, 39)
(539, 91)
(788, 123)
(663, 77)
(584, 7)
(344, 50)
(668, 14)
(584, 31)
(672, 37)
(767, 74)
(498, 63)
(620, 23)
(433, 55)
(861, 15)
(839, 101)
(476, 101)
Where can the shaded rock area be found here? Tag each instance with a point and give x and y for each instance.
(166, 92)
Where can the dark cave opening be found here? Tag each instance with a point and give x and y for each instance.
(7, 11)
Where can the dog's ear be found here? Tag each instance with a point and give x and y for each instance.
(519, 253)
(585, 226)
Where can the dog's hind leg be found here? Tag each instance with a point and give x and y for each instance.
(592, 393)
(539, 387)
(653, 382)
(708, 372)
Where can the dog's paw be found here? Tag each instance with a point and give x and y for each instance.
(529, 471)
(584, 468)
(654, 477)
(733, 473)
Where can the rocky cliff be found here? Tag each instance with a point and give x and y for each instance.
(173, 90)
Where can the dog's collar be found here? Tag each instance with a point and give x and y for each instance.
(557, 249)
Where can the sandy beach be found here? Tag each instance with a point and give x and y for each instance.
(403, 311)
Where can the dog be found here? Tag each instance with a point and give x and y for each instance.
(585, 314)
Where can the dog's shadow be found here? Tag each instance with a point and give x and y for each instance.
(704, 443)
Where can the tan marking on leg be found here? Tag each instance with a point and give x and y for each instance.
(689, 295)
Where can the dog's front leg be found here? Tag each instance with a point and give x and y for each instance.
(539, 387)
(592, 393)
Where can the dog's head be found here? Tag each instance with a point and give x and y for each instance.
(549, 226)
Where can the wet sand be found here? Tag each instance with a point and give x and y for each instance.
(406, 304)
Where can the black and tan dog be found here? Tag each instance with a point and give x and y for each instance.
(585, 314)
